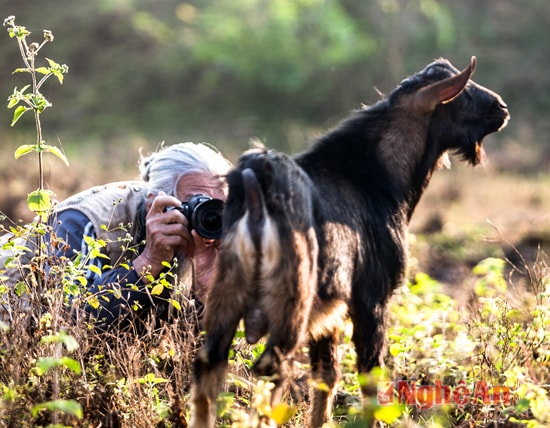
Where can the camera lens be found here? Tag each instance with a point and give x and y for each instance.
(207, 218)
(212, 220)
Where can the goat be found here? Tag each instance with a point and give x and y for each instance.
(311, 239)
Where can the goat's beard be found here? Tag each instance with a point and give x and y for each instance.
(480, 156)
(476, 155)
(444, 161)
(473, 153)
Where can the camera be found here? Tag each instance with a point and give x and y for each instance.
(204, 214)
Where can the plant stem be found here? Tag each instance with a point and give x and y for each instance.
(37, 121)
(29, 54)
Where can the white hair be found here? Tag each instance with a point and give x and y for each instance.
(163, 169)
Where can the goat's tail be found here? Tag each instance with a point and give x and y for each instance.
(257, 230)
(255, 203)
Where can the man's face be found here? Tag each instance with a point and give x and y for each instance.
(200, 184)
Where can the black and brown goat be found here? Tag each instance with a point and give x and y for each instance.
(312, 239)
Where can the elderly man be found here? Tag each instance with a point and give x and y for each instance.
(136, 248)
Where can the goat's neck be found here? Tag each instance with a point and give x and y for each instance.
(409, 167)
(392, 172)
(416, 191)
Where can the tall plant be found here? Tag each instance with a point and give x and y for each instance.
(29, 98)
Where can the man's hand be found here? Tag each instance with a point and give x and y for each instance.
(167, 234)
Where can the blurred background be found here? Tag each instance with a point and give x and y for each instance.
(283, 71)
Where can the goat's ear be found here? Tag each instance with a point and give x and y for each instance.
(444, 91)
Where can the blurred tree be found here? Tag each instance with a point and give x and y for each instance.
(278, 44)
(226, 71)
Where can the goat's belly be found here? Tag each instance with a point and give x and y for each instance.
(326, 317)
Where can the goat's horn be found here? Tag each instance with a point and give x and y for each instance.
(445, 90)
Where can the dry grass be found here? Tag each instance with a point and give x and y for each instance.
(126, 380)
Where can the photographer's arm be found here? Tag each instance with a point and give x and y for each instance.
(72, 226)
(166, 234)
(128, 285)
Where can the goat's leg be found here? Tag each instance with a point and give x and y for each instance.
(287, 328)
(275, 363)
(287, 299)
(209, 375)
(369, 327)
(281, 344)
(325, 368)
(224, 310)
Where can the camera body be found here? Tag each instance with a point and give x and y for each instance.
(204, 214)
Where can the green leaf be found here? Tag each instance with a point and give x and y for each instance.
(95, 269)
(40, 202)
(70, 407)
(81, 279)
(282, 412)
(16, 96)
(157, 290)
(57, 69)
(42, 70)
(56, 152)
(45, 364)
(71, 364)
(53, 64)
(39, 102)
(59, 76)
(20, 288)
(523, 405)
(396, 349)
(389, 414)
(21, 70)
(89, 240)
(151, 379)
(93, 302)
(489, 265)
(175, 304)
(23, 150)
(18, 113)
(12, 101)
(21, 32)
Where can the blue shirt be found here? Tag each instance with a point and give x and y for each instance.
(72, 226)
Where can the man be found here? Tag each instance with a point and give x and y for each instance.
(135, 248)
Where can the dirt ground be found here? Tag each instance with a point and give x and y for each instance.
(468, 214)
